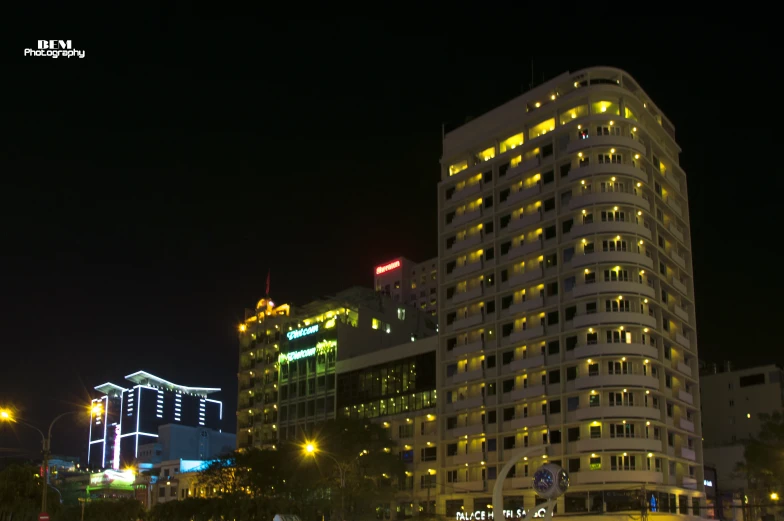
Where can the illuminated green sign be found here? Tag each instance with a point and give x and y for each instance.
(305, 331)
(121, 480)
(321, 348)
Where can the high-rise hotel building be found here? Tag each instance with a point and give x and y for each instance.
(127, 417)
(566, 303)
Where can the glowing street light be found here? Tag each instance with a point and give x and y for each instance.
(97, 409)
(310, 448)
(774, 496)
(46, 442)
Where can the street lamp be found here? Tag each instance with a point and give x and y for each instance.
(310, 449)
(46, 442)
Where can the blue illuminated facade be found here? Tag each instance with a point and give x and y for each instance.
(144, 405)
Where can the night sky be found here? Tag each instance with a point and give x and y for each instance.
(146, 189)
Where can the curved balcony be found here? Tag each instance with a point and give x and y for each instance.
(616, 287)
(526, 305)
(597, 350)
(522, 423)
(613, 380)
(608, 198)
(465, 376)
(623, 411)
(608, 169)
(466, 430)
(465, 269)
(611, 444)
(621, 227)
(472, 293)
(520, 394)
(463, 218)
(468, 242)
(615, 476)
(462, 459)
(465, 403)
(522, 336)
(465, 349)
(613, 317)
(523, 363)
(612, 257)
(605, 141)
(465, 322)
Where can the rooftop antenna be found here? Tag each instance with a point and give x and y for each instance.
(531, 85)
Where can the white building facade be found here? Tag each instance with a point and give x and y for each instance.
(408, 282)
(566, 307)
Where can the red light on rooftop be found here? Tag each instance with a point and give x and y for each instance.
(387, 267)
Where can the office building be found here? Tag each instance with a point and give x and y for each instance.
(734, 401)
(411, 283)
(175, 442)
(130, 416)
(566, 303)
(396, 387)
(306, 343)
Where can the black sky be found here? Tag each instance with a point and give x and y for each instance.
(146, 189)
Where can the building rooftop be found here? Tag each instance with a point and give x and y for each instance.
(145, 378)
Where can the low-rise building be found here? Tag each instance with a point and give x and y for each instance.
(175, 442)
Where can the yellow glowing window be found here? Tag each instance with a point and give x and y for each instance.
(458, 167)
(573, 113)
(605, 107)
(486, 154)
(376, 323)
(542, 128)
(512, 142)
(531, 154)
(628, 114)
(515, 161)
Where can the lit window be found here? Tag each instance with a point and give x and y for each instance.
(486, 155)
(542, 128)
(401, 313)
(376, 323)
(458, 167)
(512, 142)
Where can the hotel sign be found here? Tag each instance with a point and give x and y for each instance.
(305, 331)
(485, 515)
(387, 267)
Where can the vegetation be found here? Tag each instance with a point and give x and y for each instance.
(353, 468)
(763, 465)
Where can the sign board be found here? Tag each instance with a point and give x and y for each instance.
(112, 479)
(387, 267)
(487, 515)
(43, 516)
(305, 331)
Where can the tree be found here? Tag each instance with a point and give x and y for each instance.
(366, 456)
(20, 493)
(763, 465)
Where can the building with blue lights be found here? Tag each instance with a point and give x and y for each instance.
(127, 417)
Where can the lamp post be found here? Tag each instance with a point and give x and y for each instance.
(311, 449)
(46, 442)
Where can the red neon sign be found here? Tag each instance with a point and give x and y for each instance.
(387, 267)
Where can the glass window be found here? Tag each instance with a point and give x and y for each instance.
(605, 107)
(577, 112)
(458, 167)
(512, 142)
(542, 128)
